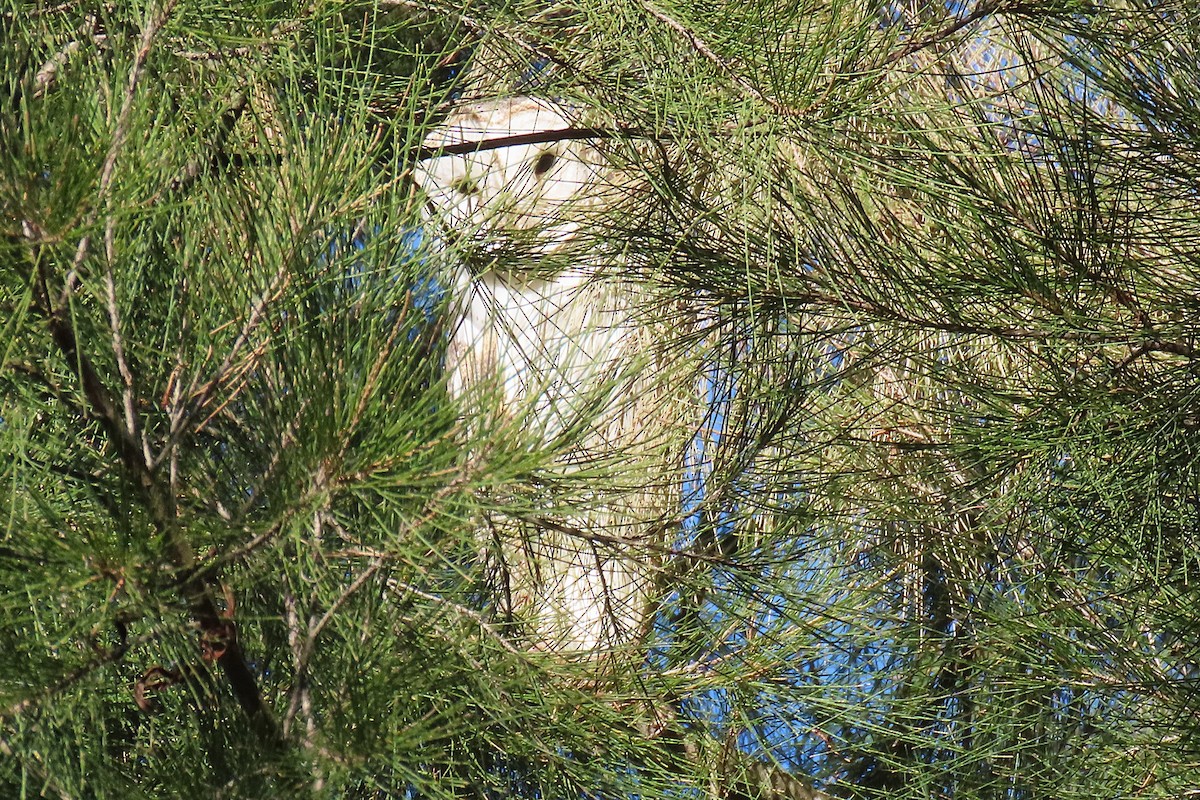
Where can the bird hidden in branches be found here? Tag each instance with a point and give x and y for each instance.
(551, 341)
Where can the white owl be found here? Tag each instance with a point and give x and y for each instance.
(536, 188)
(558, 341)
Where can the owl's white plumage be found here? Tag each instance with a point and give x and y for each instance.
(535, 188)
(544, 327)
(558, 344)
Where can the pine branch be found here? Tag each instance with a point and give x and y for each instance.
(199, 395)
(724, 67)
(122, 427)
(981, 11)
(119, 135)
(161, 508)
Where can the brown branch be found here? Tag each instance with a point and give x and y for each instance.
(161, 507)
(34, 13)
(912, 48)
(104, 659)
(101, 406)
(537, 137)
(52, 389)
(128, 392)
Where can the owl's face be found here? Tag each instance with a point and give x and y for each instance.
(533, 193)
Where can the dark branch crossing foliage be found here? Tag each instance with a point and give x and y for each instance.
(916, 284)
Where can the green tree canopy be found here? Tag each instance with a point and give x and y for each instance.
(920, 279)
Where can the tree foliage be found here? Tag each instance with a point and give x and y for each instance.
(926, 276)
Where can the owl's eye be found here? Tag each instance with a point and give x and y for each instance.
(466, 185)
(543, 163)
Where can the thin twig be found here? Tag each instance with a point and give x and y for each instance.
(314, 631)
(175, 390)
(199, 396)
(108, 657)
(431, 510)
(981, 11)
(285, 441)
(867, 306)
(479, 29)
(43, 12)
(537, 137)
(722, 64)
(45, 76)
(53, 389)
(269, 42)
(469, 613)
(120, 134)
(132, 421)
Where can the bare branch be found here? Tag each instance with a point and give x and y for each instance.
(45, 76)
(121, 132)
(104, 659)
(314, 630)
(300, 699)
(132, 420)
(537, 137)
